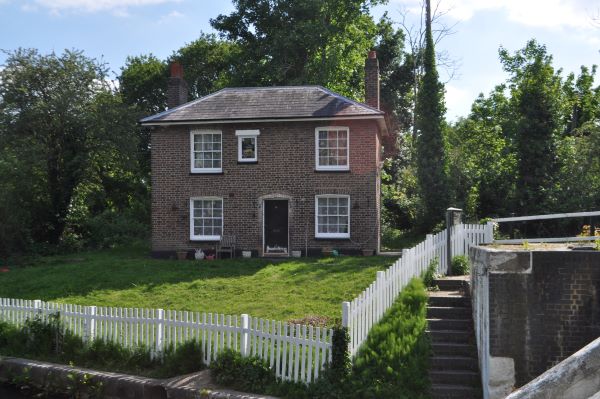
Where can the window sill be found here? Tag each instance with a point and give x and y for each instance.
(247, 162)
(205, 238)
(206, 173)
(332, 170)
(332, 238)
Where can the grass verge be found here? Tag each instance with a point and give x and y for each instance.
(280, 290)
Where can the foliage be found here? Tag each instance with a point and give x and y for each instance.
(429, 123)
(126, 277)
(460, 265)
(249, 374)
(340, 357)
(63, 128)
(536, 93)
(394, 360)
(431, 273)
(48, 340)
(287, 42)
(394, 239)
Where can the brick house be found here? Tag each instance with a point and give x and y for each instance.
(282, 169)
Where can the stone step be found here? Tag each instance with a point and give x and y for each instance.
(452, 391)
(452, 284)
(467, 363)
(460, 377)
(451, 336)
(448, 312)
(450, 324)
(453, 349)
(441, 300)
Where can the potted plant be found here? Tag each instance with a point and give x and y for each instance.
(181, 254)
(368, 252)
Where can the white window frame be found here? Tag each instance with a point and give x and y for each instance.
(332, 167)
(244, 134)
(194, 237)
(330, 235)
(193, 169)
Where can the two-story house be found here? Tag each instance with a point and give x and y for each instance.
(281, 168)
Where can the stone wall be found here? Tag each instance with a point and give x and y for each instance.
(542, 306)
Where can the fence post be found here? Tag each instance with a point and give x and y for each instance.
(489, 233)
(90, 323)
(245, 338)
(160, 331)
(346, 324)
(453, 217)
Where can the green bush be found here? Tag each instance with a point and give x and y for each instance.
(394, 360)
(431, 273)
(460, 265)
(46, 339)
(250, 374)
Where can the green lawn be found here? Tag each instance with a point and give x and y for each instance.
(293, 288)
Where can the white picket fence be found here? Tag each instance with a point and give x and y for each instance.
(295, 352)
(368, 308)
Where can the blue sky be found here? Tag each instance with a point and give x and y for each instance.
(113, 29)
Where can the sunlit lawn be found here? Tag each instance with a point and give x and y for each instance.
(281, 290)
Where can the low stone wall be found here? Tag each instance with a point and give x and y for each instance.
(532, 309)
(100, 384)
(577, 376)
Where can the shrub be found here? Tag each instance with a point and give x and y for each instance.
(460, 265)
(431, 273)
(47, 339)
(251, 374)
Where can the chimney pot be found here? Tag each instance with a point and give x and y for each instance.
(176, 70)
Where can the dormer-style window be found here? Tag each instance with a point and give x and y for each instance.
(332, 148)
(247, 145)
(206, 151)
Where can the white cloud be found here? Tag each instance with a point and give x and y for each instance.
(458, 101)
(170, 16)
(536, 13)
(117, 7)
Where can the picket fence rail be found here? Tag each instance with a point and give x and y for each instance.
(296, 352)
(362, 313)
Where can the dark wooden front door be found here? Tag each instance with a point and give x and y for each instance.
(276, 226)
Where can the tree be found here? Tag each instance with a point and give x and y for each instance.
(482, 164)
(431, 156)
(287, 42)
(59, 118)
(536, 95)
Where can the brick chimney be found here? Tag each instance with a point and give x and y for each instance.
(177, 91)
(372, 80)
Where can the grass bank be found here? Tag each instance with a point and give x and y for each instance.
(281, 290)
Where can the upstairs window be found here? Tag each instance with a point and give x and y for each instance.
(206, 151)
(206, 218)
(247, 145)
(331, 150)
(332, 216)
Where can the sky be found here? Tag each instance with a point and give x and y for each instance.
(111, 30)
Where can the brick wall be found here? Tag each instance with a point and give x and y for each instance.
(544, 315)
(285, 168)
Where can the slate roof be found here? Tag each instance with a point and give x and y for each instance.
(288, 102)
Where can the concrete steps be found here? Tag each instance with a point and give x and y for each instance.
(454, 371)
